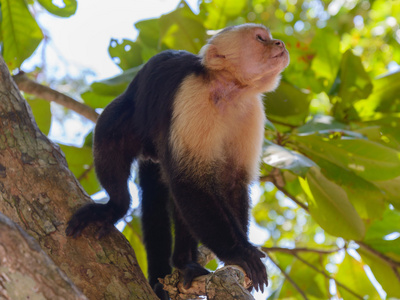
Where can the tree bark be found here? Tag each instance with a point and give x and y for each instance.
(24, 264)
(39, 193)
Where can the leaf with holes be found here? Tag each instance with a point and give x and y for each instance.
(66, 10)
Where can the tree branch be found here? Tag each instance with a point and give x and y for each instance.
(288, 278)
(31, 87)
(274, 177)
(296, 250)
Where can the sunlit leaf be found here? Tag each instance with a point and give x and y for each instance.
(20, 33)
(133, 234)
(67, 9)
(384, 98)
(367, 199)
(355, 83)
(391, 188)
(327, 59)
(383, 272)
(80, 162)
(307, 279)
(218, 12)
(330, 206)
(351, 273)
(282, 158)
(321, 122)
(41, 112)
(370, 160)
(377, 232)
(287, 105)
(182, 30)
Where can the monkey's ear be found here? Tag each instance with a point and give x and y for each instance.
(212, 59)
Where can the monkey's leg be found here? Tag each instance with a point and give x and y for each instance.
(239, 202)
(185, 251)
(216, 226)
(155, 224)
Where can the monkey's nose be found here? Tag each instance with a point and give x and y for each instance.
(279, 43)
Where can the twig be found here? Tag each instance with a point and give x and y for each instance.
(393, 264)
(31, 87)
(389, 260)
(288, 278)
(85, 172)
(271, 178)
(282, 123)
(327, 276)
(296, 250)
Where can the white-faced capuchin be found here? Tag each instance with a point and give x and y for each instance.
(195, 125)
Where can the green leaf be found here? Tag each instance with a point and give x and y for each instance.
(383, 272)
(126, 54)
(282, 158)
(391, 189)
(287, 105)
(299, 72)
(351, 273)
(133, 234)
(218, 12)
(367, 199)
(80, 162)
(101, 93)
(67, 10)
(367, 159)
(149, 32)
(384, 98)
(376, 233)
(182, 30)
(41, 112)
(330, 206)
(307, 279)
(321, 122)
(327, 59)
(21, 34)
(354, 82)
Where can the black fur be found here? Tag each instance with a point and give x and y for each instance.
(213, 209)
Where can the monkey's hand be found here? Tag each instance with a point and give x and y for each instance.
(101, 214)
(251, 263)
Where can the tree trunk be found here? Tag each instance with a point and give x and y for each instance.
(39, 193)
(24, 264)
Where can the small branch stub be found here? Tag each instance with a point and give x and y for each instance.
(229, 282)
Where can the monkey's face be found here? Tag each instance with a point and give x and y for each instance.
(249, 53)
(261, 56)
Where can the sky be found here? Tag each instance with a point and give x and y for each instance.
(82, 40)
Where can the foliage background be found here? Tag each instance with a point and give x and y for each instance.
(330, 177)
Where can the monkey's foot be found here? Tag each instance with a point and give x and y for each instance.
(191, 271)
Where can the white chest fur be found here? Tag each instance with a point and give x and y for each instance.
(205, 130)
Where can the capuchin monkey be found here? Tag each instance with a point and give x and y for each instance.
(195, 126)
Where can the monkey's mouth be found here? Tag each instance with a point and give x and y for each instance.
(279, 54)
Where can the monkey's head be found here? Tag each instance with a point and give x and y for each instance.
(248, 54)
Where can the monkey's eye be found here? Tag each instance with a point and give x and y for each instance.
(260, 38)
